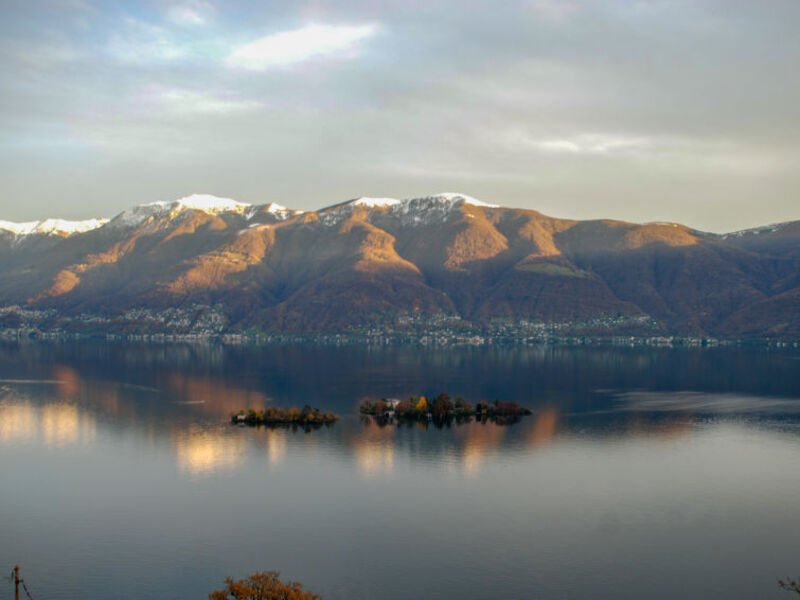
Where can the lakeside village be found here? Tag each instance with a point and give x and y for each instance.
(441, 410)
(204, 324)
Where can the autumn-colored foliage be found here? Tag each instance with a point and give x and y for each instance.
(283, 416)
(442, 409)
(262, 586)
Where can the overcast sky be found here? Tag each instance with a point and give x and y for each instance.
(673, 110)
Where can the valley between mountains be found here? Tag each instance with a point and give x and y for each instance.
(443, 263)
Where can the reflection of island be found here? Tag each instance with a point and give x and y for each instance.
(441, 411)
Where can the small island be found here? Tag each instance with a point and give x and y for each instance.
(273, 416)
(442, 409)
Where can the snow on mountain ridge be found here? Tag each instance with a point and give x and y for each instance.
(272, 207)
(61, 227)
(373, 202)
(207, 203)
(412, 210)
(432, 209)
(449, 198)
(279, 212)
(456, 196)
(422, 210)
(755, 230)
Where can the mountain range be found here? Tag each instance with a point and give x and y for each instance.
(447, 261)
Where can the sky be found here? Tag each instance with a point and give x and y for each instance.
(657, 110)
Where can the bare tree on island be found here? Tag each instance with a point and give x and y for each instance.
(790, 585)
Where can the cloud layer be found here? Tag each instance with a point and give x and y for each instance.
(660, 110)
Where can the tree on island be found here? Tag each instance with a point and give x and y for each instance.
(262, 586)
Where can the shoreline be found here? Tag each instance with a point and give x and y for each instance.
(432, 339)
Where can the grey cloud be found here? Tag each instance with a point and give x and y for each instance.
(660, 110)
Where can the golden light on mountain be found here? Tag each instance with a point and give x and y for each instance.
(370, 262)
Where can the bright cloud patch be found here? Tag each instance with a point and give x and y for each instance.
(290, 47)
(592, 144)
(189, 102)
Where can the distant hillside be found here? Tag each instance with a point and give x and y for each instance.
(207, 264)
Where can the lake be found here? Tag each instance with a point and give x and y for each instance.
(643, 472)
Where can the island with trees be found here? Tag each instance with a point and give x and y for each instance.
(307, 417)
(442, 409)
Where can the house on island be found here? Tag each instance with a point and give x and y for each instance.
(391, 407)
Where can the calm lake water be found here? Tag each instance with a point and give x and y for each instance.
(643, 473)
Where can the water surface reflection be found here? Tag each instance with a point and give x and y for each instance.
(645, 473)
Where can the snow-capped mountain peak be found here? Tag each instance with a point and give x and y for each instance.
(204, 202)
(207, 203)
